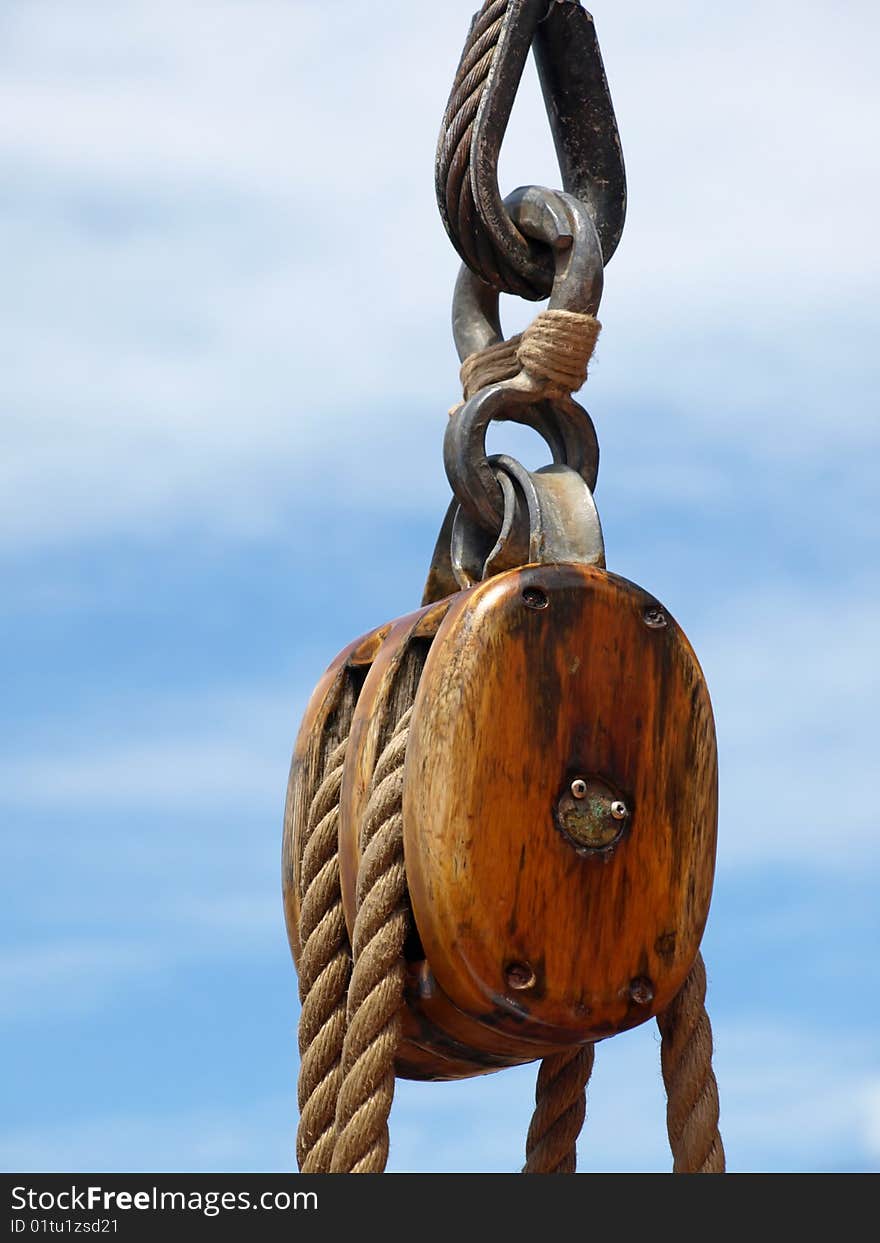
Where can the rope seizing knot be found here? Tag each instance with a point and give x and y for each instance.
(490, 366)
(555, 351)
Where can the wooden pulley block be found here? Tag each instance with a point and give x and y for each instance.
(560, 804)
(560, 810)
(500, 828)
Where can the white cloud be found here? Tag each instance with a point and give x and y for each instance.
(225, 261)
(170, 771)
(70, 976)
(871, 1111)
(255, 1137)
(785, 1105)
(794, 682)
(227, 295)
(213, 750)
(790, 1102)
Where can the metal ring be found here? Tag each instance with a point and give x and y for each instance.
(549, 517)
(471, 550)
(566, 427)
(563, 223)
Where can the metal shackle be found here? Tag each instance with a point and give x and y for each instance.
(563, 223)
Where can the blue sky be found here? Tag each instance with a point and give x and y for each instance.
(226, 365)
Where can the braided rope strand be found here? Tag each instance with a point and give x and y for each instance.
(560, 1109)
(375, 994)
(686, 1060)
(324, 971)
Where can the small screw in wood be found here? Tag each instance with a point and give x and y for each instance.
(535, 598)
(641, 989)
(519, 975)
(654, 617)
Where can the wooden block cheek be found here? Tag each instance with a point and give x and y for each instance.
(326, 721)
(513, 700)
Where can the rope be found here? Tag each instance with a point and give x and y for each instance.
(454, 191)
(560, 1108)
(686, 1060)
(375, 994)
(324, 970)
(555, 351)
(489, 366)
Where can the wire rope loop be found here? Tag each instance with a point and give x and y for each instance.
(582, 121)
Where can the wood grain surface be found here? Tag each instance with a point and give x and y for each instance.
(440, 1042)
(326, 721)
(538, 678)
(525, 939)
(386, 693)
(426, 1053)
